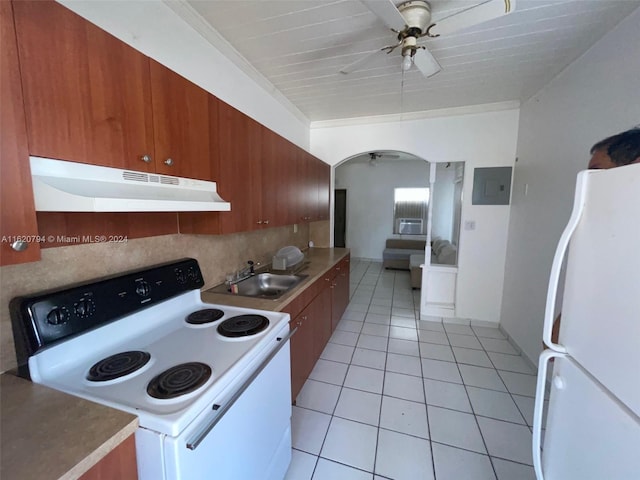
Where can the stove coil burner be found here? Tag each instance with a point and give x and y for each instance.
(243, 325)
(118, 365)
(206, 315)
(179, 380)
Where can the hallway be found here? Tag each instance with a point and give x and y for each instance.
(399, 398)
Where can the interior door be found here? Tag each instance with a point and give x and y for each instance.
(340, 218)
(600, 313)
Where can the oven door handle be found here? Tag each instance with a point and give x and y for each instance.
(221, 410)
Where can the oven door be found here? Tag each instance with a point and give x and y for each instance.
(251, 440)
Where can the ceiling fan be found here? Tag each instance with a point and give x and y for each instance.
(412, 20)
(374, 156)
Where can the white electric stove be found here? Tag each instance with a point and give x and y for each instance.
(210, 384)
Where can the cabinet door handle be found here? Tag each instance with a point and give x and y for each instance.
(168, 162)
(20, 245)
(266, 222)
(259, 222)
(146, 158)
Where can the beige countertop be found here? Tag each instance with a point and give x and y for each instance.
(320, 260)
(46, 434)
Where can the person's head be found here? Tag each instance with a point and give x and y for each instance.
(617, 150)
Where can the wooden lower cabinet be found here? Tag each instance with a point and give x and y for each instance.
(340, 292)
(313, 314)
(301, 361)
(321, 321)
(119, 464)
(314, 330)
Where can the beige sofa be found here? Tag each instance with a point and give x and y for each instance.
(398, 252)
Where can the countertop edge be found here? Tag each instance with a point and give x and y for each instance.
(102, 451)
(35, 420)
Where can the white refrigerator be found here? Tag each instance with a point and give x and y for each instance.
(592, 427)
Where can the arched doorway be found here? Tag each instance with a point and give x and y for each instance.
(367, 183)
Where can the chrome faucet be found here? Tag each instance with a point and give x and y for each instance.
(245, 272)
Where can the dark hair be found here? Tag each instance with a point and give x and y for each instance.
(623, 148)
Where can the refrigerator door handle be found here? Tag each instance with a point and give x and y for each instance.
(536, 443)
(556, 266)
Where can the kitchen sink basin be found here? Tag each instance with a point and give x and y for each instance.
(263, 285)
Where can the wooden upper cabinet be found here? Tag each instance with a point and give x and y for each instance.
(240, 170)
(17, 210)
(315, 182)
(278, 180)
(323, 178)
(87, 94)
(184, 126)
(302, 186)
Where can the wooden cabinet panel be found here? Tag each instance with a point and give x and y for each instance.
(184, 126)
(120, 463)
(299, 186)
(240, 168)
(340, 292)
(302, 352)
(17, 210)
(306, 186)
(315, 178)
(314, 331)
(323, 172)
(87, 94)
(276, 181)
(321, 321)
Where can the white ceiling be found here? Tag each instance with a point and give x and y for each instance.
(299, 46)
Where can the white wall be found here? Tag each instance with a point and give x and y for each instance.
(370, 201)
(480, 140)
(157, 31)
(596, 96)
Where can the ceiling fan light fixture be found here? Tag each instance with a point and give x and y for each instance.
(406, 61)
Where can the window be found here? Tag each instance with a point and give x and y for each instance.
(410, 209)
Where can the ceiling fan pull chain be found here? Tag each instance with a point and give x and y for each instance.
(402, 95)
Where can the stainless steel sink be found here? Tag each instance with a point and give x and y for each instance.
(263, 285)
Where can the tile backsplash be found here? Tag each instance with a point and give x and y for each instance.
(216, 254)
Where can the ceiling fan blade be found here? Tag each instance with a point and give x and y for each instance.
(352, 67)
(363, 60)
(426, 63)
(483, 12)
(387, 12)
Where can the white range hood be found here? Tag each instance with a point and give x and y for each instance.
(61, 186)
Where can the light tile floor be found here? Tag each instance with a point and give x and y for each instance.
(394, 397)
